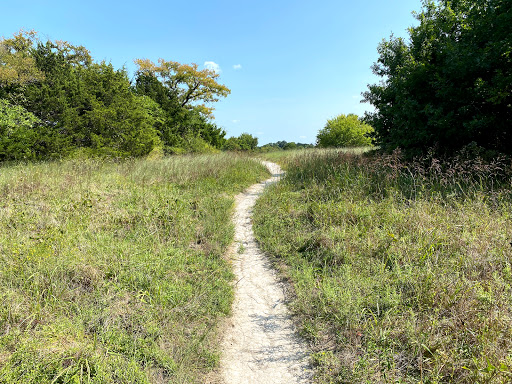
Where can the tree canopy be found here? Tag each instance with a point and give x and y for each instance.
(193, 88)
(344, 131)
(451, 84)
(55, 100)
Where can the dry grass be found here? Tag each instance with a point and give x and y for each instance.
(113, 272)
(402, 271)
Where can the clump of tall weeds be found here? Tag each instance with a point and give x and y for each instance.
(401, 269)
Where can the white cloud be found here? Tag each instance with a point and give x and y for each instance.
(303, 137)
(212, 66)
(236, 67)
(260, 133)
(235, 121)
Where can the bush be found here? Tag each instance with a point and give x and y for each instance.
(344, 131)
(17, 134)
(244, 142)
(449, 84)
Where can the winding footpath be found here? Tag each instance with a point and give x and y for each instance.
(260, 344)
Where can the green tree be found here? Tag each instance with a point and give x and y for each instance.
(290, 145)
(451, 84)
(247, 142)
(181, 125)
(232, 144)
(91, 105)
(244, 142)
(18, 132)
(17, 66)
(193, 88)
(344, 131)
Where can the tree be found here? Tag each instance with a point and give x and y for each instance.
(181, 125)
(345, 131)
(232, 144)
(193, 88)
(82, 104)
(17, 66)
(18, 132)
(451, 85)
(247, 142)
(244, 142)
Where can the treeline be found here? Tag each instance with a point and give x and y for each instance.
(55, 101)
(450, 85)
(284, 145)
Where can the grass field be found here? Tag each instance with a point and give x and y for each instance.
(113, 272)
(401, 271)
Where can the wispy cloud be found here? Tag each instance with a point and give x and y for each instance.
(303, 137)
(236, 67)
(212, 66)
(235, 121)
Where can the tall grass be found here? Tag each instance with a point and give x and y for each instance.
(113, 272)
(401, 271)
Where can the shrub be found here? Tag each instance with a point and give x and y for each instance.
(17, 134)
(344, 131)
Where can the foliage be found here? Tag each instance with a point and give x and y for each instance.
(401, 271)
(244, 142)
(180, 125)
(451, 84)
(17, 132)
(113, 272)
(17, 66)
(344, 131)
(91, 108)
(247, 142)
(284, 145)
(232, 144)
(193, 88)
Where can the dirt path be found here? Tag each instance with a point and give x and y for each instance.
(260, 345)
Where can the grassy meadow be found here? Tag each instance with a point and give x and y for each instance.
(113, 272)
(401, 272)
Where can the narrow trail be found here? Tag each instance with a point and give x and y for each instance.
(260, 344)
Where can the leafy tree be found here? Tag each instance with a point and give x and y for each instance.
(17, 66)
(180, 124)
(451, 85)
(88, 105)
(345, 131)
(81, 105)
(148, 84)
(18, 132)
(247, 142)
(193, 88)
(232, 144)
(244, 142)
(290, 145)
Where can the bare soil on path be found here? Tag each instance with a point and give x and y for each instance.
(260, 344)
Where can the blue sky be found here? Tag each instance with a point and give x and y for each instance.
(290, 65)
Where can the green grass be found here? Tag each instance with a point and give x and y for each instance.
(402, 272)
(286, 157)
(114, 272)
